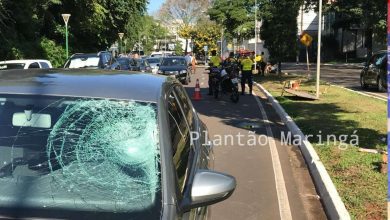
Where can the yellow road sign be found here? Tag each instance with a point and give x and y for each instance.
(306, 39)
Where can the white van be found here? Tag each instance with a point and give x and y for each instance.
(25, 64)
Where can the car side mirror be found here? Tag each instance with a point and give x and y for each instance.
(209, 187)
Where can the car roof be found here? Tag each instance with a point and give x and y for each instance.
(23, 61)
(83, 83)
(174, 57)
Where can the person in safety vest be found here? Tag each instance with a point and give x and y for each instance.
(215, 62)
(246, 64)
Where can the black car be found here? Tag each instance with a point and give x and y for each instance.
(100, 60)
(176, 67)
(374, 72)
(127, 63)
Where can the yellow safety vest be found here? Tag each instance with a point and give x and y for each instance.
(246, 64)
(215, 61)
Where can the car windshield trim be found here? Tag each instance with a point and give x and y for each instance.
(79, 154)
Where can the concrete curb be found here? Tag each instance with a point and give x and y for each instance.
(361, 93)
(334, 206)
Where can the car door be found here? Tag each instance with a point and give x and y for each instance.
(371, 70)
(184, 152)
(379, 65)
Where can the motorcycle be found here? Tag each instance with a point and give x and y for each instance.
(225, 83)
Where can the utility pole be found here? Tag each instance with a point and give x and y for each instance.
(255, 35)
(319, 50)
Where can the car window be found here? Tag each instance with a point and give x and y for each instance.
(173, 62)
(44, 65)
(34, 65)
(380, 59)
(80, 155)
(187, 108)
(82, 62)
(153, 60)
(180, 137)
(9, 66)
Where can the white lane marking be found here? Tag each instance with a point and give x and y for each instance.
(284, 205)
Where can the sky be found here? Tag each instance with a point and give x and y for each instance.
(154, 5)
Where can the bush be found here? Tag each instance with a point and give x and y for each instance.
(51, 51)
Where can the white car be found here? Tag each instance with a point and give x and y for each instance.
(25, 64)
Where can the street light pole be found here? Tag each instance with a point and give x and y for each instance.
(255, 35)
(319, 50)
(120, 37)
(66, 20)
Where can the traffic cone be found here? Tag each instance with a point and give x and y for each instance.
(197, 96)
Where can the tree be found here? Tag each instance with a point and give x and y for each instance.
(206, 33)
(186, 32)
(185, 11)
(236, 16)
(182, 13)
(35, 28)
(280, 32)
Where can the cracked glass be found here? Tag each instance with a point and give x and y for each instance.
(62, 156)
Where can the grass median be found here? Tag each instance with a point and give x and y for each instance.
(334, 121)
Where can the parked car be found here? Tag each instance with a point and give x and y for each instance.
(25, 64)
(100, 60)
(96, 144)
(374, 72)
(132, 64)
(176, 67)
(154, 63)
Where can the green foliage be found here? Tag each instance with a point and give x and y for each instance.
(205, 33)
(280, 32)
(179, 48)
(93, 25)
(236, 16)
(56, 54)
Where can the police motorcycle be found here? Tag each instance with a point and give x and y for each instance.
(225, 81)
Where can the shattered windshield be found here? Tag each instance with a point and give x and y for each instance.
(79, 155)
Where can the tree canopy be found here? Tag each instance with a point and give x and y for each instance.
(35, 28)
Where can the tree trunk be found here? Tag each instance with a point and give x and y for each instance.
(186, 48)
(368, 41)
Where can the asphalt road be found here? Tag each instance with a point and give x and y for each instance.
(273, 181)
(344, 75)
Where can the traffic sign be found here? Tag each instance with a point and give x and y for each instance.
(206, 48)
(306, 39)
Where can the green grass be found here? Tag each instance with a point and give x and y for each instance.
(340, 112)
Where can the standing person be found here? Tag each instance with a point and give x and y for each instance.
(262, 63)
(215, 62)
(194, 62)
(188, 58)
(246, 64)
